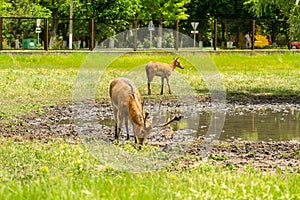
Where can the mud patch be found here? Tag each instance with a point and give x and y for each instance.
(57, 121)
(266, 156)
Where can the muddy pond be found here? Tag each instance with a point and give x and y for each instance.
(263, 135)
(277, 122)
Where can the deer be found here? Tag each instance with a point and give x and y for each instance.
(127, 105)
(163, 70)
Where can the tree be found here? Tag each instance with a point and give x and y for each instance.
(23, 8)
(287, 8)
(15, 29)
(163, 10)
(227, 12)
(114, 16)
(111, 16)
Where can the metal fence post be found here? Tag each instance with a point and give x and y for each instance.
(177, 34)
(253, 34)
(135, 36)
(289, 37)
(46, 34)
(92, 34)
(215, 34)
(0, 33)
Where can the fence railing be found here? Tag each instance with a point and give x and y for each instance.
(54, 34)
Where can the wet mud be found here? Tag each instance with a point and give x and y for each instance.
(58, 122)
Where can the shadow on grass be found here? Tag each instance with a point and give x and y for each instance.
(262, 98)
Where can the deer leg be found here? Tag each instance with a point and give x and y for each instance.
(149, 89)
(126, 125)
(135, 140)
(150, 79)
(169, 86)
(116, 131)
(117, 128)
(134, 132)
(119, 122)
(162, 86)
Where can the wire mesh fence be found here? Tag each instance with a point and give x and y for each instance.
(55, 34)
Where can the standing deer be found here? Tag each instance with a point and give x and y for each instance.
(163, 70)
(126, 103)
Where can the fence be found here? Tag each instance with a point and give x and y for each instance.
(53, 34)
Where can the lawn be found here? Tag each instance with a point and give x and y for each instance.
(60, 169)
(31, 81)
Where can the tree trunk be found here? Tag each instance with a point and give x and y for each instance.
(53, 35)
(54, 26)
(273, 34)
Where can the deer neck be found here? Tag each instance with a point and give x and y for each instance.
(135, 111)
(172, 66)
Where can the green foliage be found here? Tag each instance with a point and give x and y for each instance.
(23, 8)
(218, 157)
(162, 9)
(4, 7)
(260, 7)
(294, 22)
(285, 8)
(225, 9)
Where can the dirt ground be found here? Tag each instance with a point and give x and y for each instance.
(57, 121)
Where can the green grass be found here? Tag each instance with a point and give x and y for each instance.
(261, 74)
(35, 80)
(56, 169)
(59, 170)
(29, 82)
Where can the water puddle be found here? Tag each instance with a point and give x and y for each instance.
(241, 124)
(257, 126)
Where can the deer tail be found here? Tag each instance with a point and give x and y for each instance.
(112, 85)
(147, 70)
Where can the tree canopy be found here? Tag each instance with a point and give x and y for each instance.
(286, 9)
(23, 8)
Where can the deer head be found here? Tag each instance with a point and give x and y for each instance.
(177, 63)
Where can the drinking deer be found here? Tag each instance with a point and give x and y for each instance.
(126, 103)
(163, 70)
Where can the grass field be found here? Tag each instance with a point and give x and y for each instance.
(56, 169)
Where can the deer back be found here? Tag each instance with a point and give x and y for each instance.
(125, 96)
(158, 69)
(120, 93)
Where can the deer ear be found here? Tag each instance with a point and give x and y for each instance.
(143, 104)
(146, 116)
